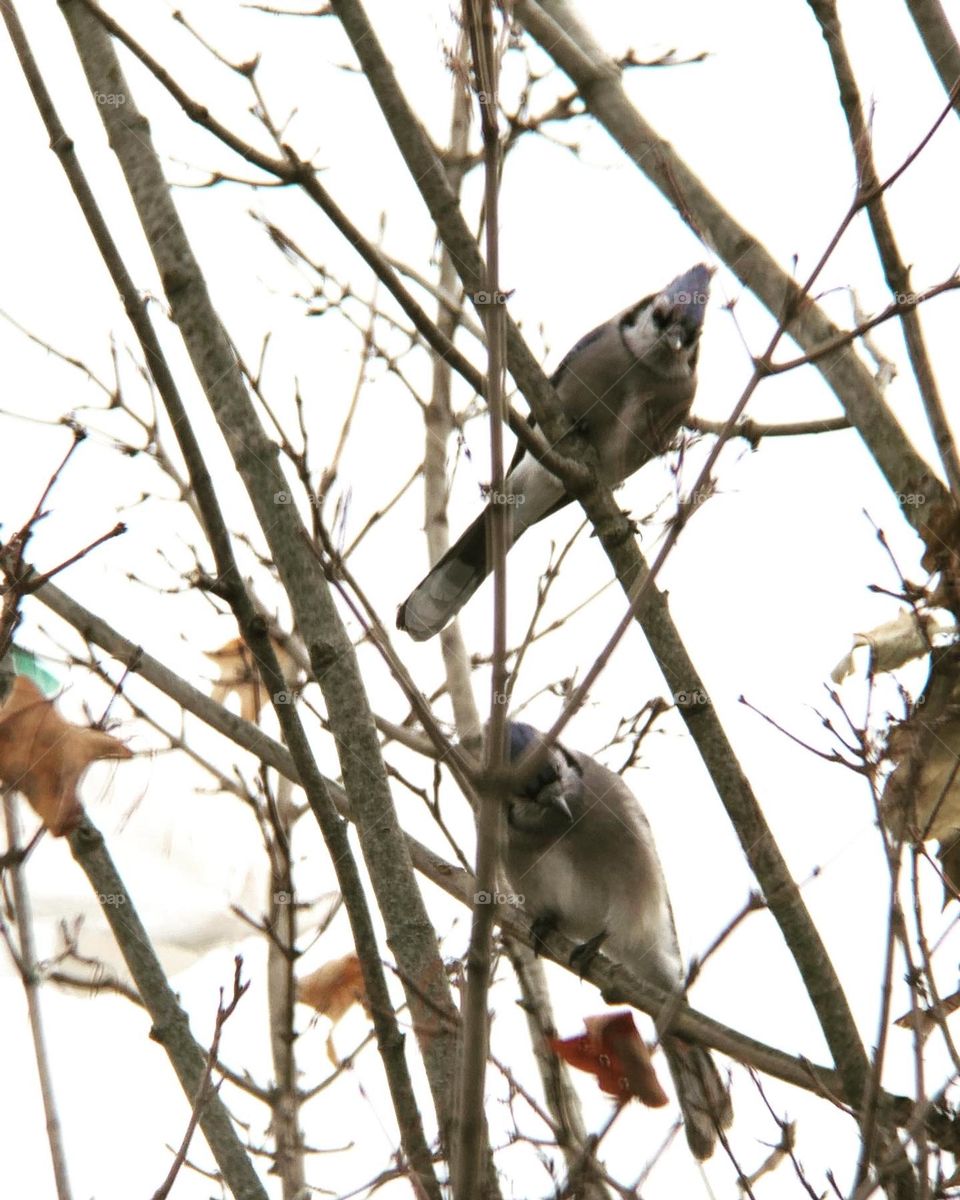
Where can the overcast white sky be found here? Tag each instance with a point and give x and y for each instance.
(767, 584)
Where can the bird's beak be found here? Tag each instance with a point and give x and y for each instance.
(560, 805)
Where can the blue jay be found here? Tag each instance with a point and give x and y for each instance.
(627, 386)
(578, 848)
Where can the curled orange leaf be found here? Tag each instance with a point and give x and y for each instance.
(332, 990)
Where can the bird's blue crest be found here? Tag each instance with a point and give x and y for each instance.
(690, 292)
(522, 738)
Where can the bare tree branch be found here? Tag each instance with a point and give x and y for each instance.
(895, 269)
(475, 1038)
(764, 856)
(206, 1090)
(26, 961)
(411, 935)
(170, 1024)
(106, 76)
(553, 24)
(754, 431)
(940, 41)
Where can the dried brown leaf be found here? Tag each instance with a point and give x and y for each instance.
(239, 675)
(921, 798)
(930, 1017)
(332, 990)
(43, 756)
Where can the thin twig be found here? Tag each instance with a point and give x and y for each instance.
(26, 961)
(206, 1089)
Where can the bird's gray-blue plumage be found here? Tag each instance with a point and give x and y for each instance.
(578, 848)
(627, 387)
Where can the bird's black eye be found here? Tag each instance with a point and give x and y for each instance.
(661, 317)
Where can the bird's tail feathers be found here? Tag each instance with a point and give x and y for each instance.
(440, 595)
(703, 1095)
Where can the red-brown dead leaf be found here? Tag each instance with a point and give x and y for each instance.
(43, 756)
(613, 1050)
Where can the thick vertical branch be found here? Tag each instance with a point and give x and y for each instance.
(559, 1092)
(475, 1040)
(439, 425)
(486, 66)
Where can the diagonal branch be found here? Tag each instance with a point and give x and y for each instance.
(207, 1088)
(941, 43)
(553, 24)
(410, 933)
(111, 80)
(895, 270)
(901, 305)
(461, 885)
(170, 1024)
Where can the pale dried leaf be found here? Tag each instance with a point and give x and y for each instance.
(893, 644)
(239, 676)
(930, 1017)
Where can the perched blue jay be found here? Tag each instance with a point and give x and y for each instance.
(578, 848)
(627, 386)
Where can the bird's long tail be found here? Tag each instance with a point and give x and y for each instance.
(704, 1098)
(440, 595)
